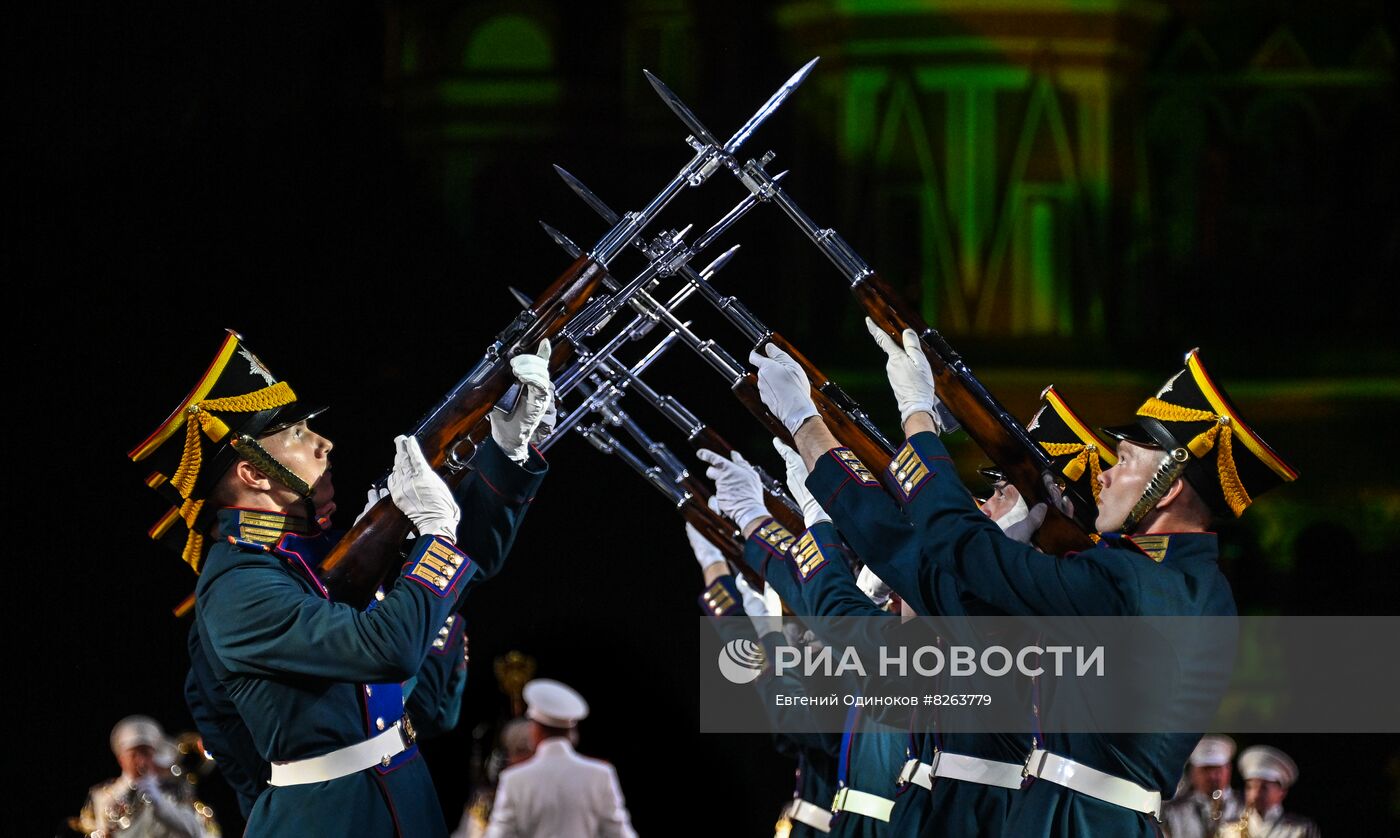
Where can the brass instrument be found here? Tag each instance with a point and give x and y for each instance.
(1239, 828)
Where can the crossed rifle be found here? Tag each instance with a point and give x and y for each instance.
(591, 380)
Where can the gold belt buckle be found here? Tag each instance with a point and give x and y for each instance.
(406, 731)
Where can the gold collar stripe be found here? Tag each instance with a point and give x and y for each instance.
(1155, 546)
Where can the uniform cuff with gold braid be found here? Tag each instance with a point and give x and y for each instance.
(774, 537)
(722, 598)
(912, 467)
(438, 565)
(808, 556)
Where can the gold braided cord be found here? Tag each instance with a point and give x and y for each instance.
(1219, 435)
(1235, 493)
(192, 457)
(1155, 408)
(274, 395)
(1084, 459)
(194, 545)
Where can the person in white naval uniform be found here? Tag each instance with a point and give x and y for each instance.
(1206, 802)
(558, 793)
(1268, 775)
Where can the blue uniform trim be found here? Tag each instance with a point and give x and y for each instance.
(437, 565)
(722, 598)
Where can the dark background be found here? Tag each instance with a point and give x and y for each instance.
(174, 171)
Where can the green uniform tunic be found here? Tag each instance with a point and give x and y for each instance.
(309, 676)
(871, 750)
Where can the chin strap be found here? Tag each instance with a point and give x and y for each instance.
(249, 449)
(1168, 470)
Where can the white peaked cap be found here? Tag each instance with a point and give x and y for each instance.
(554, 704)
(134, 731)
(1213, 749)
(1264, 763)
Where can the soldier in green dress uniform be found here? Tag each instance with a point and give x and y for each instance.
(1188, 458)
(320, 684)
(872, 747)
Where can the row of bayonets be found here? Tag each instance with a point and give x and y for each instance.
(572, 315)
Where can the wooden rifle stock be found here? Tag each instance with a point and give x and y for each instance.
(989, 424)
(450, 432)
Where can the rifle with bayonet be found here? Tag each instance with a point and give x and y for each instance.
(990, 425)
(449, 431)
(849, 423)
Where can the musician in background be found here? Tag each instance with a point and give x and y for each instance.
(146, 801)
(1207, 802)
(1268, 775)
(557, 792)
(515, 747)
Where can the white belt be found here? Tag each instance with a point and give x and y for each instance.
(862, 803)
(378, 749)
(986, 772)
(803, 812)
(1094, 783)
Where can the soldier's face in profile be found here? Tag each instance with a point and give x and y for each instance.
(308, 455)
(138, 761)
(1123, 484)
(1263, 795)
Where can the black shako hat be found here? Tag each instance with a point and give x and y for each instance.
(1229, 464)
(1077, 453)
(235, 400)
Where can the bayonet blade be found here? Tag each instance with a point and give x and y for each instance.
(562, 240)
(588, 196)
(524, 301)
(719, 263)
(692, 122)
(773, 103)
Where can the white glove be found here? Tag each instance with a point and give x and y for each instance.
(753, 601)
(812, 511)
(764, 622)
(783, 387)
(873, 586)
(546, 426)
(911, 377)
(738, 491)
(1024, 529)
(514, 431)
(706, 553)
(375, 495)
(420, 494)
